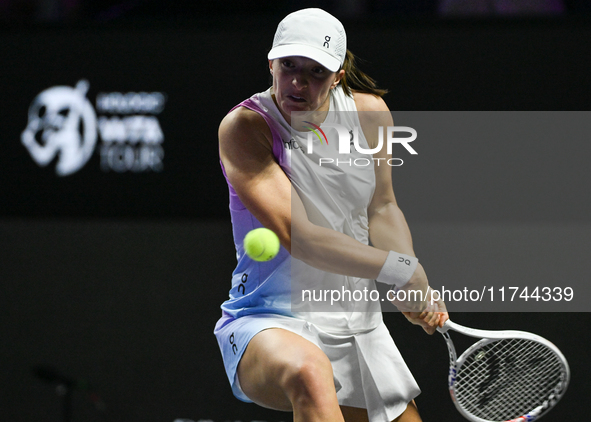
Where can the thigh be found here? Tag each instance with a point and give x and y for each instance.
(269, 362)
(355, 414)
(411, 414)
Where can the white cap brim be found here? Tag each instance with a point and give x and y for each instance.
(328, 61)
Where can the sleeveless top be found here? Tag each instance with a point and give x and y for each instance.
(336, 190)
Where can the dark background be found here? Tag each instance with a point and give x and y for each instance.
(115, 279)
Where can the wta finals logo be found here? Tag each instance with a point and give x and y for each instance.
(63, 127)
(61, 124)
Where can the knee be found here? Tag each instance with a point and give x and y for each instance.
(309, 379)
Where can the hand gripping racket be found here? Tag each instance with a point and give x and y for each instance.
(511, 376)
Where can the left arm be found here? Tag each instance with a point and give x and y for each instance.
(388, 229)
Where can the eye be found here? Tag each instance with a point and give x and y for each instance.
(287, 63)
(318, 70)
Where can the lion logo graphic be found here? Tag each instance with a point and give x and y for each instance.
(62, 124)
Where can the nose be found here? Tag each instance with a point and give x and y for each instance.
(299, 81)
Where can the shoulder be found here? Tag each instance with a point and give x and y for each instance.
(369, 102)
(373, 113)
(244, 125)
(242, 119)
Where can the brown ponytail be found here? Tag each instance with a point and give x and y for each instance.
(355, 79)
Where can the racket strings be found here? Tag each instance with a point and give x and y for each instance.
(507, 378)
(498, 390)
(503, 391)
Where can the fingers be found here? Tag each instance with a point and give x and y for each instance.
(444, 317)
(428, 320)
(429, 316)
(432, 322)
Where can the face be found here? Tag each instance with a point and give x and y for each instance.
(302, 84)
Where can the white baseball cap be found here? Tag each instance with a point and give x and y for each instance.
(311, 33)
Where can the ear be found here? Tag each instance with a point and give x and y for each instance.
(271, 66)
(339, 76)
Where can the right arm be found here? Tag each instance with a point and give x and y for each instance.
(246, 152)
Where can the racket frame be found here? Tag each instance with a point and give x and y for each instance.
(487, 337)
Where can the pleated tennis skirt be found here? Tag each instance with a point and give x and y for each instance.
(369, 371)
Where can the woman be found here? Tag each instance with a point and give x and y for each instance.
(282, 354)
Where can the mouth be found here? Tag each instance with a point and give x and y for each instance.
(296, 99)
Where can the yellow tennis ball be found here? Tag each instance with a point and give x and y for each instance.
(261, 244)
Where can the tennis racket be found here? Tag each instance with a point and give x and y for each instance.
(506, 376)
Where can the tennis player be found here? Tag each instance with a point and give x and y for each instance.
(341, 364)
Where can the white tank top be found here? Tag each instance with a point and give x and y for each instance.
(336, 195)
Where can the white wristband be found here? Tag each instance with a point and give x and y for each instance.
(398, 269)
